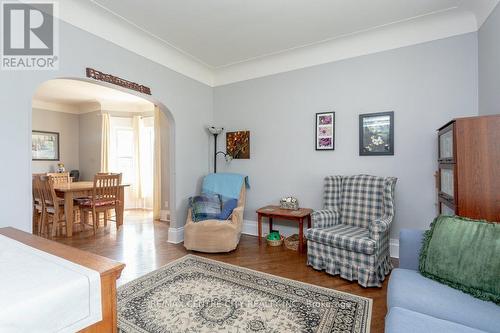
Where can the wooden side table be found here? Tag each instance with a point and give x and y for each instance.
(285, 214)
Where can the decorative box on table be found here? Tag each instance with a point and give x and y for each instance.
(289, 203)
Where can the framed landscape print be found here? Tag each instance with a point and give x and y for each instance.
(325, 131)
(44, 146)
(238, 144)
(376, 134)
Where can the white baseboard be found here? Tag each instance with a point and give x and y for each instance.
(165, 215)
(176, 235)
(250, 228)
(394, 248)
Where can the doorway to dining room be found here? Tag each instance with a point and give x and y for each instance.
(85, 129)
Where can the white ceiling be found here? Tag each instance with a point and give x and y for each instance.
(75, 96)
(223, 41)
(224, 32)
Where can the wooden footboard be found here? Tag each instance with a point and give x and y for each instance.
(109, 270)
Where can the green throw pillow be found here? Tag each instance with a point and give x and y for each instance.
(463, 254)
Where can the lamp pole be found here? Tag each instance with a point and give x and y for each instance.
(215, 152)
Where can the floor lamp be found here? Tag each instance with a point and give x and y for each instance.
(215, 131)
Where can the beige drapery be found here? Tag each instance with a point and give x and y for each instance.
(105, 142)
(137, 186)
(157, 165)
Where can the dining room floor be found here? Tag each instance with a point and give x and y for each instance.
(141, 244)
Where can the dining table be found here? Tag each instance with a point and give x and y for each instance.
(73, 190)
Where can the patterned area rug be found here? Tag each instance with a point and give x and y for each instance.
(194, 294)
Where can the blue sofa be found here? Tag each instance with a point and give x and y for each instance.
(418, 304)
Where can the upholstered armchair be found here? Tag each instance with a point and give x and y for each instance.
(214, 236)
(350, 235)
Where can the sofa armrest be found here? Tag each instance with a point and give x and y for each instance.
(410, 242)
(378, 228)
(324, 218)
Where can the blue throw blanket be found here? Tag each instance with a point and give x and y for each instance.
(228, 185)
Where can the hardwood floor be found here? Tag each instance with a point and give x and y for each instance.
(142, 245)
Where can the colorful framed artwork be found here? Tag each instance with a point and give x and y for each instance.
(44, 146)
(238, 144)
(325, 131)
(376, 134)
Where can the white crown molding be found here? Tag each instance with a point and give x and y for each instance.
(421, 30)
(481, 9)
(92, 18)
(87, 107)
(125, 107)
(89, 16)
(79, 108)
(91, 106)
(56, 107)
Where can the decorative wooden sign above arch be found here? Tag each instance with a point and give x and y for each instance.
(97, 75)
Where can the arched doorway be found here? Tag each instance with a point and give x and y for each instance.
(80, 98)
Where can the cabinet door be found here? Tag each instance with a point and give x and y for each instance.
(447, 180)
(446, 144)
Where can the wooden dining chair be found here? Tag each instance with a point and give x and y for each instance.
(54, 208)
(105, 197)
(38, 204)
(59, 177)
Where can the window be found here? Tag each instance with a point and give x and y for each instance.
(135, 163)
(125, 153)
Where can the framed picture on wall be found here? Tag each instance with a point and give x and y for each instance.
(44, 146)
(376, 134)
(325, 131)
(238, 144)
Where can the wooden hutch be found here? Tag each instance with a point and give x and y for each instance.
(468, 178)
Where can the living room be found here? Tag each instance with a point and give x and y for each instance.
(292, 104)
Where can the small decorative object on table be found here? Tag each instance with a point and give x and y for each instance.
(274, 238)
(61, 168)
(289, 203)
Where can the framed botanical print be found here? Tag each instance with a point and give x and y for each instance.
(325, 131)
(376, 134)
(44, 146)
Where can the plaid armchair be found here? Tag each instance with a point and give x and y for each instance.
(350, 236)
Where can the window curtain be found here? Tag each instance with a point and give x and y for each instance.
(137, 186)
(105, 142)
(157, 164)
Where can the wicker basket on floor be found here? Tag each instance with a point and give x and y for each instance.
(292, 242)
(274, 242)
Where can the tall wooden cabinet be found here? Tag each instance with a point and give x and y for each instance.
(468, 178)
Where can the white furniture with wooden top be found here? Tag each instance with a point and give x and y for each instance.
(50, 287)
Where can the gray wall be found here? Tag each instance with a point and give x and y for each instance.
(66, 124)
(90, 144)
(189, 102)
(426, 85)
(489, 64)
